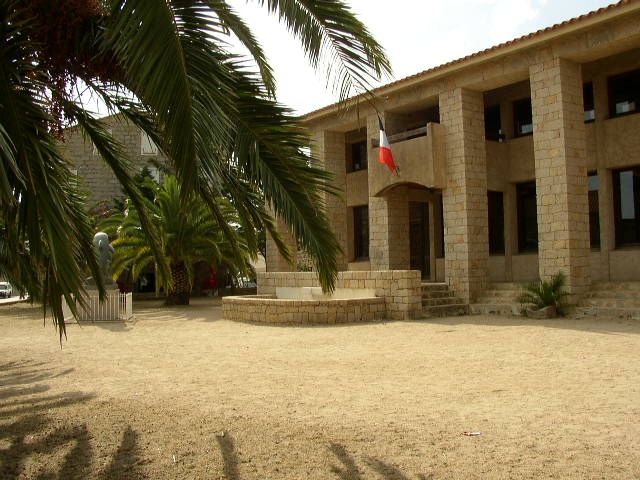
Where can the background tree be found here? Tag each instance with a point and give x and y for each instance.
(188, 234)
(164, 65)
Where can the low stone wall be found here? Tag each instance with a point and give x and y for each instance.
(400, 289)
(268, 309)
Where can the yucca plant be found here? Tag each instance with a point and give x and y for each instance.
(545, 293)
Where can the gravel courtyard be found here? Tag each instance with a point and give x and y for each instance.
(180, 393)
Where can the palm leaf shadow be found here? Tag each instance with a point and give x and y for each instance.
(228, 456)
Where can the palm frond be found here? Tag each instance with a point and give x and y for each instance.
(229, 19)
(333, 38)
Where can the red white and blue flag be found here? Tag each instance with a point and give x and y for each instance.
(386, 155)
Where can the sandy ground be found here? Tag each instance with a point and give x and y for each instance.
(183, 394)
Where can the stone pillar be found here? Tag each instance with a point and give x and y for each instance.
(274, 261)
(330, 148)
(466, 233)
(388, 216)
(561, 173)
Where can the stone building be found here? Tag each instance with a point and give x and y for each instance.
(94, 175)
(515, 163)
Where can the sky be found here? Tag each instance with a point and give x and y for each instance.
(416, 34)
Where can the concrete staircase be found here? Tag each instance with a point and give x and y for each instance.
(438, 301)
(611, 299)
(501, 298)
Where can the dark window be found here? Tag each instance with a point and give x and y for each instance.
(359, 156)
(527, 217)
(439, 246)
(594, 213)
(589, 106)
(361, 232)
(496, 223)
(624, 93)
(522, 117)
(626, 197)
(492, 124)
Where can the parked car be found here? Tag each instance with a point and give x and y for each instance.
(5, 290)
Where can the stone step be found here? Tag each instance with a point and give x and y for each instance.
(611, 302)
(607, 312)
(503, 292)
(434, 287)
(437, 294)
(454, 309)
(493, 297)
(450, 300)
(616, 287)
(622, 295)
(516, 287)
(495, 308)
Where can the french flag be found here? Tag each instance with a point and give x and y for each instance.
(386, 155)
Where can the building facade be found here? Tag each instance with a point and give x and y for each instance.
(94, 175)
(515, 163)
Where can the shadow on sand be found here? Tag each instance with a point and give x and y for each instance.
(28, 429)
(348, 470)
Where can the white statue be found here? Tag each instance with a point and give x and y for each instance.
(104, 251)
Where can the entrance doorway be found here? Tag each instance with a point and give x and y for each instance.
(419, 238)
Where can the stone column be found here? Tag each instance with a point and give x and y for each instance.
(330, 148)
(465, 196)
(274, 261)
(561, 173)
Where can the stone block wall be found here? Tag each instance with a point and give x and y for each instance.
(265, 308)
(561, 172)
(94, 176)
(465, 197)
(400, 289)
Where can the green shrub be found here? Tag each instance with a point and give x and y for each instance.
(545, 293)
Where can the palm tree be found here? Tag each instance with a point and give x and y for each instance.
(188, 234)
(165, 66)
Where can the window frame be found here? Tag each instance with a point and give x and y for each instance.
(358, 151)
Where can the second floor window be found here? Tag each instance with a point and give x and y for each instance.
(522, 117)
(589, 106)
(359, 156)
(493, 124)
(624, 93)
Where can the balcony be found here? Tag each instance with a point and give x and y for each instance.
(420, 158)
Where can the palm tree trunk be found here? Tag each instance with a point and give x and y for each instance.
(180, 292)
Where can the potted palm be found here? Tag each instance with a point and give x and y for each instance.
(544, 298)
